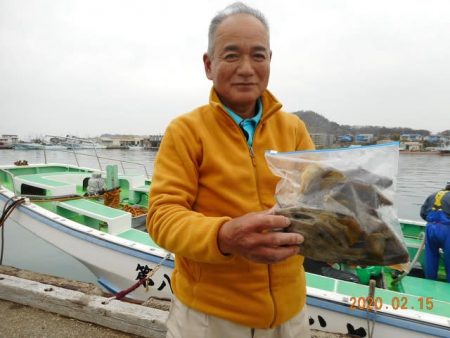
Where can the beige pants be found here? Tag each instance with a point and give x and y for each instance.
(184, 322)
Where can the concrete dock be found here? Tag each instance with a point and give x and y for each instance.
(37, 305)
(20, 321)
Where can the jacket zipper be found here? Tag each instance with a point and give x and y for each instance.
(250, 148)
(252, 156)
(252, 153)
(269, 267)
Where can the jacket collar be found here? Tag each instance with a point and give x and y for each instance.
(269, 102)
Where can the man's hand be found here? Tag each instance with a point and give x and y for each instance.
(253, 237)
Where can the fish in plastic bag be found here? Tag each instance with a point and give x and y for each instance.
(343, 210)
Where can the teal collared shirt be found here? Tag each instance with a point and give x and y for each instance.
(248, 126)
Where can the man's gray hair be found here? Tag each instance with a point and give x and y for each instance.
(233, 9)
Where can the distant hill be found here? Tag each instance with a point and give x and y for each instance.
(316, 123)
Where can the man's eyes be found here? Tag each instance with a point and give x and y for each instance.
(231, 56)
(236, 56)
(259, 56)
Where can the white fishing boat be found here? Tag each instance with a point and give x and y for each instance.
(6, 143)
(28, 146)
(113, 244)
(76, 143)
(85, 146)
(38, 146)
(136, 147)
(444, 151)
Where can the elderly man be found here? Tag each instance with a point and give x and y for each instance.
(436, 211)
(212, 193)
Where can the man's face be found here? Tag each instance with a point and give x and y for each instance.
(240, 64)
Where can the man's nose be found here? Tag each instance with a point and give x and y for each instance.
(245, 66)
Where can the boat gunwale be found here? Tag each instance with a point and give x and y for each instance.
(345, 299)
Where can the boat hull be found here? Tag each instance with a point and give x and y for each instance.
(338, 317)
(114, 263)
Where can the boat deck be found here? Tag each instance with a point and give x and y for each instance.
(117, 220)
(139, 237)
(54, 184)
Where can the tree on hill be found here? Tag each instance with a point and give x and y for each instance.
(316, 123)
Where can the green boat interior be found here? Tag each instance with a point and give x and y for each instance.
(62, 190)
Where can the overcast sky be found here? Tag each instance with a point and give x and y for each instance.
(103, 66)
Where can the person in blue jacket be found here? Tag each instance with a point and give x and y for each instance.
(436, 211)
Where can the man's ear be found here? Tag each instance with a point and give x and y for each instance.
(270, 56)
(207, 65)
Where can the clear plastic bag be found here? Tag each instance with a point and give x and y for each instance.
(342, 202)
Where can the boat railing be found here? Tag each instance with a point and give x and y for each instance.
(12, 181)
(76, 155)
(412, 222)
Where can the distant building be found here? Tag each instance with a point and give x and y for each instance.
(10, 138)
(434, 139)
(110, 142)
(152, 142)
(411, 137)
(8, 141)
(411, 146)
(123, 141)
(347, 138)
(364, 138)
(323, 140)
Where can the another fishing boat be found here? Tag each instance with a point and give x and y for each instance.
(113, 244)
(76, 143)
(6, 144)
(38, 146)
(445, 151)
(85, 145)
(28, 146)
(136, 147)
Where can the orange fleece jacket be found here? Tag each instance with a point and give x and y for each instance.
(204, 175)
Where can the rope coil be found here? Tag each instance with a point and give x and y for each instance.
(112, 198)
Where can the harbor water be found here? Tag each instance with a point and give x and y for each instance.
(419, 175)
